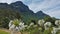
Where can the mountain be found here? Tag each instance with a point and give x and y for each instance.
(40, 14)
(18, 9)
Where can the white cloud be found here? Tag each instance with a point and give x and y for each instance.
(43, 5)
(54, 13)
(50, 7)
(9, 1)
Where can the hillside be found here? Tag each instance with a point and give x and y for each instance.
(18, 10)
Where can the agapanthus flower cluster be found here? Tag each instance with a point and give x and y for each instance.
(42, 26)
(30, 25)
(16, 26)
(56, 29)
(47, 25)
(41, 22)
(57, 22)
(11, 25)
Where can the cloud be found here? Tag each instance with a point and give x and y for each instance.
(50, 7)
(54, 13)
(45, 4)
(9, 1)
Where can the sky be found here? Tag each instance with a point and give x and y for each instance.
(50, 7)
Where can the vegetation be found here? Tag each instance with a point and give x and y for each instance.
(41, 28)
(6, 15)
(3, 32)
(33, 23)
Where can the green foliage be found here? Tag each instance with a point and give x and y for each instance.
(47, 31)
(4, 22)
(58, 32)
(16, 22)
(35, 31)
(50, 19)
(6, 15)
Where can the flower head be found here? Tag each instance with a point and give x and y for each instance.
(16, 25)
(47, 25)
(55, 30)
(41, 22)
(57, 22)
(10, 23)
(31, 24)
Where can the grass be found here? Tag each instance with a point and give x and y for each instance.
(3, 32)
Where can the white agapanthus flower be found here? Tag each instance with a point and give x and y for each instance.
(26, 25)
(35, 25)
(41, 22)
(47, 25)
(31, 24)
(57, 22)
(10, 23)
(21, 26)
(13, 27)
(55, 30)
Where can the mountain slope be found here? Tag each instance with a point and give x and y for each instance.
(18, 9)
(26, 12)
(40, 14)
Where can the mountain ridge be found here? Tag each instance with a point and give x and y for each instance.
(24, 10)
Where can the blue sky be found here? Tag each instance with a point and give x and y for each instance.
(50, 7)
